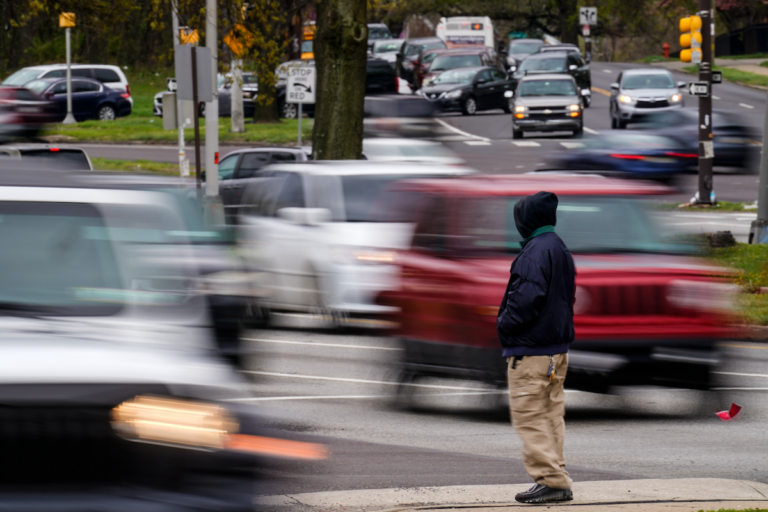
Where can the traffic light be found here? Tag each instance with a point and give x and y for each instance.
(690, 39)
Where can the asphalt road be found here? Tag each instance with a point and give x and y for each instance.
(334, 388)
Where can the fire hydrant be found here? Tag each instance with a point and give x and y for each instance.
(665, 50)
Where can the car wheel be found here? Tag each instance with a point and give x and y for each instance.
(614, 123)
(621, 124)
(469, 107)
(289, 111)
(107, 113)
(579, 132)
(517, 134)
(509, 106)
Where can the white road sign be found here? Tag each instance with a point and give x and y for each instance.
(698, 88)
(301, 85)
(588, 16)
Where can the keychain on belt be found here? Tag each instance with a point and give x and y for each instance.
(552, 370)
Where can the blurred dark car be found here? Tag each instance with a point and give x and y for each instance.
(50, 156)
(628, 155)
(519, 50)
(470, 90)
(90, 99)
(408, 60)
(736, 145)
(646, 313)
(112, 396)
(377, 32)
(22, 112)
(443, 60)
(558, 62)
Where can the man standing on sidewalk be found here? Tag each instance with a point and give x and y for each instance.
(535, 327)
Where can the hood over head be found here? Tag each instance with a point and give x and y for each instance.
(534, 212)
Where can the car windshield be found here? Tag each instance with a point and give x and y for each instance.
(587, 224)
(38, 86)
(412, 50)
(524, 47)
(547, 88)
(649, 81)
(53, 261)
(455, 61)
(387, 46)
(554, 64)
(404, 150)
(73, 159)
(361, 193)
(378, 33)
(22, 76)
(456, 76)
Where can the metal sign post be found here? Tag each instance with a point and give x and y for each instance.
(706, 146)
(183, 162)
(198, 177)
(194, 83)
(300, 88)
(67, 21)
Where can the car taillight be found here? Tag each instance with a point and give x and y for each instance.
(682, 155)
(54, 149)
(127, 89)
(125, 95)
(628, 157)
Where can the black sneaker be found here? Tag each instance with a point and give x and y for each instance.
(543, 494)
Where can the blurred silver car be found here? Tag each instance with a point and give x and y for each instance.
(639, 93)
(408, 150)
(111, 399)
(314, 229)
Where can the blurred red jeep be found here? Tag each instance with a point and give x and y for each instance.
(646, 312)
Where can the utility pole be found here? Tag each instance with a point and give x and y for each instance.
(758, 232)
(236, 96)
(213, 208)
(706, 147)
(183, 162)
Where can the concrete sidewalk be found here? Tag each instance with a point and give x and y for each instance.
(679, 495)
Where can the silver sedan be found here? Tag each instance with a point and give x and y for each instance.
(641, 92)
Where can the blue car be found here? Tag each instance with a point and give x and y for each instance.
(628, 155)
(90, 99)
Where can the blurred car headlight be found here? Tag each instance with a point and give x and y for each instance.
(454, 94)
(362, 256)
(574, 107)
(675, 98)
(169, 421)
(627, 99)
(426, 82)
(520, 109)
(702, 295)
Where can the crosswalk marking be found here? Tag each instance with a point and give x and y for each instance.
(572, 145)
(477, 143)
(526, 143)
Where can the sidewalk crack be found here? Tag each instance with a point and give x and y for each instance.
(753, 488)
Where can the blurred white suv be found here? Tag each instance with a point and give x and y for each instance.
(111, 76)
(312, 230)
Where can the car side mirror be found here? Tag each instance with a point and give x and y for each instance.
(586, 92)
(305, 216)
(509, 94)
(681, 85)
(573, 67)
(614, 87)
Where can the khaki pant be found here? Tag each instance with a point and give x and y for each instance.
(537, 406)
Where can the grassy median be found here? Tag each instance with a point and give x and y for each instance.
(734, 75)
(751, 264)
(142, 126)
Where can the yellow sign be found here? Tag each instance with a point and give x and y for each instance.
(187, 36)
(239, 40)
(67, 20)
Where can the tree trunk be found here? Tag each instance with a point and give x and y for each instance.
(262, 112)
(340, 56)
(569, 28)
(236, 97)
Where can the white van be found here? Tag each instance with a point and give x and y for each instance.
(111, 76)
(467, 31)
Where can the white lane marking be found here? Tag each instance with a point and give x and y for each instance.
(761, 375)
(461, 132)
(477, 143)
(746, 106)
(572, 145)
(360, 381)
(314, 344)
(526, 143)
(740, 389)
(607, 71)
(715, 97)
(590, 130)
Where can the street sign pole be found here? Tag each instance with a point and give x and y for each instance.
(300, 114)
(758, 231)
(69, 119)
(706, 146)
(183, 162)
(198, 177)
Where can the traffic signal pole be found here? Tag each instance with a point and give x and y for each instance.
(706, 150)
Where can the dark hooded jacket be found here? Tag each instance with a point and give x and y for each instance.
(536, 313)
